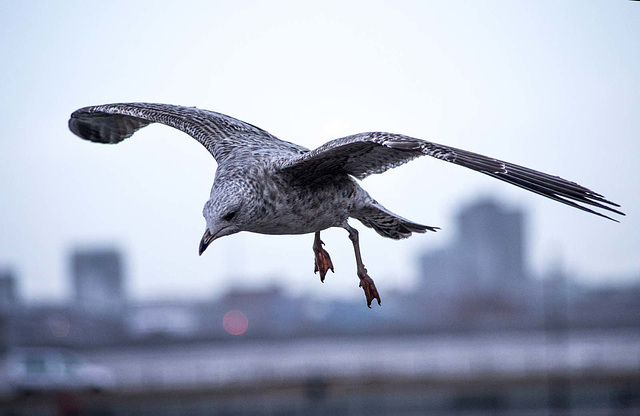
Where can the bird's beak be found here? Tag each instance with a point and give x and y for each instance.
(207, 238)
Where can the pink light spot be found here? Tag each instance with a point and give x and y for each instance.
(235, 322)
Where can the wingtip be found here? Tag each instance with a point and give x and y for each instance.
(82, 128)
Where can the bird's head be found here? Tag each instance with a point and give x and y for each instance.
(225, 215)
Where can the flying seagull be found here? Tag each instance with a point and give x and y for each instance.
(269, 186)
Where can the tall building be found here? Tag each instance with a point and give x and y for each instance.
(490, 244)
(8, 296)
(98, 280)
(487, 252)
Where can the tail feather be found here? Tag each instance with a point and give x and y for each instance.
(388, 224)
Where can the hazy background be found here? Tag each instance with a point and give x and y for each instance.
(551, 85)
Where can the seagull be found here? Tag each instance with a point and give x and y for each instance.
(269, 186)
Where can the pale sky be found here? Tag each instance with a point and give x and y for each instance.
(551, 85)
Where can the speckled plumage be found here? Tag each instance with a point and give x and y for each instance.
(270, 186)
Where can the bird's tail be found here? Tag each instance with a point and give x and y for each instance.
(388, 224)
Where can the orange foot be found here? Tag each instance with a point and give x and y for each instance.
(370, 291)
(323, 261)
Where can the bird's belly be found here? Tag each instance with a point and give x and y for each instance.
(289, 222)
(286, 208)
(303, 213)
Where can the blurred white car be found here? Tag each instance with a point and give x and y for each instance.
(33, 370)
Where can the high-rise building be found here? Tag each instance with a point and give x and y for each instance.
(98, 280)
(8, 296)
(487, 252)
(490, 243)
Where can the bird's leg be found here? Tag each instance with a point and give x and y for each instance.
(366, 283)
(323, 261)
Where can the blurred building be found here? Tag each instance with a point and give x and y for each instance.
(490, 245)
(8, 301)
(487, 252)
(481, 278)
(8, 296)
(98, 280)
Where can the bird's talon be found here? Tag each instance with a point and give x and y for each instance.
(323, 263)
(370, 291)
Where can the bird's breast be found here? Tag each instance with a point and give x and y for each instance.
(286, 208)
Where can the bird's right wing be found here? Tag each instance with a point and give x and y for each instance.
(364, 154)
(220, 134)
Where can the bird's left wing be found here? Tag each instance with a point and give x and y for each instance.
(220, 134)
(364, 154)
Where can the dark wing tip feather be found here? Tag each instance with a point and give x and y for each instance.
(558, 195)
(553, 187)
(102, 127)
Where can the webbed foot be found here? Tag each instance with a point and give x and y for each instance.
(322, 259)
(370, 291)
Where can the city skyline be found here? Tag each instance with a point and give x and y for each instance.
(479, 281)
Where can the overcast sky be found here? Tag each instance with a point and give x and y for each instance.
(554, 86)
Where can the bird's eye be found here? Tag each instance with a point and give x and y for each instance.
(229, 216)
